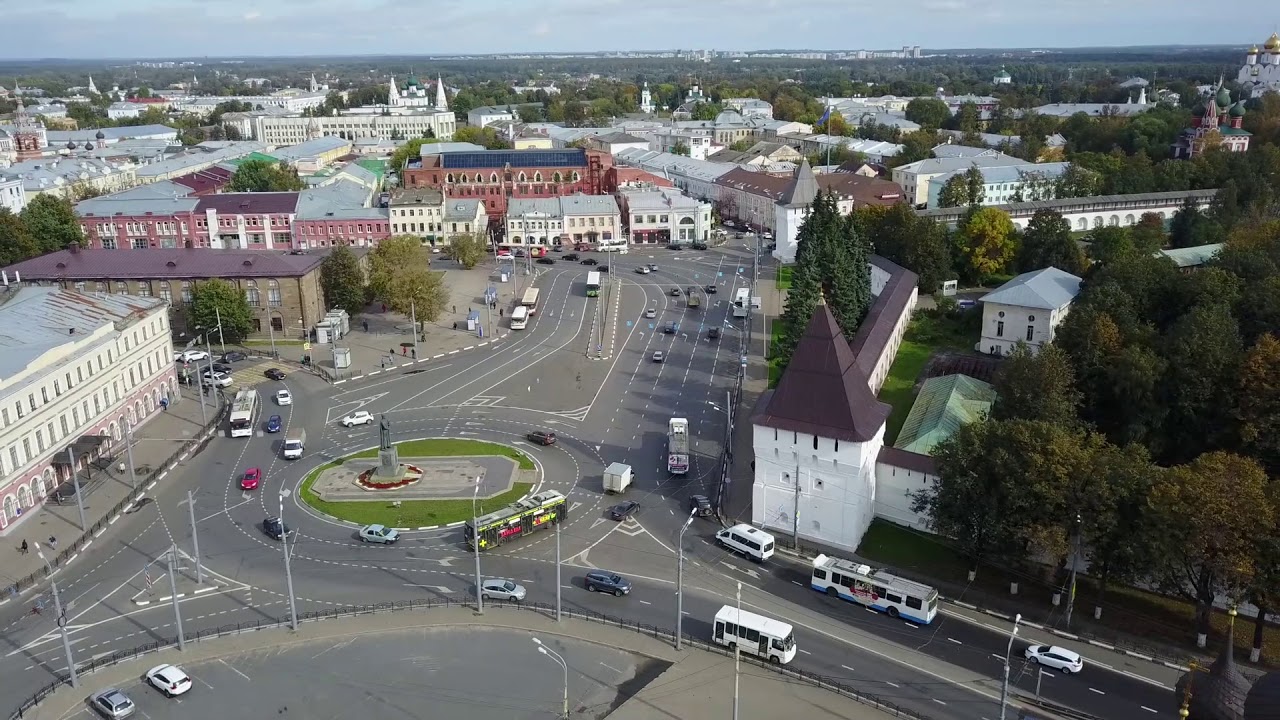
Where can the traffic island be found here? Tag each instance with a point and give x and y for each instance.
(441, 477)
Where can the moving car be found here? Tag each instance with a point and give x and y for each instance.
(379, 534)
(671, 328)
(283, 397)
(112, 703)
(604, 269)
(546, 261)
(653, 267)
(541, 437)
(274, 374)
(651, 313)
(739, 236)
(221, 367)
(520, 253)
(767, 235)
(609, 582)
(233, 356)
(275, 528)
(675, 292)
(642, 270)
(675, 246)
(700, 505)
(359, 417)
(658, 356)
(251, 478)
(274, 424)
(709, 289)
(698, 246)
(502, 589)
(186, 356)
(1058, 658)
(216, 379)
(713, 333)
(624, 510)
(169, 679)
(571, 256)
(590, 261)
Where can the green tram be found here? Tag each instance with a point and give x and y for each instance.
(517, 520)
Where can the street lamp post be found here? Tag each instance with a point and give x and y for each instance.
(271, 328)
(680, 580)
(737, 657)
(475, 544)
(413, 320)
(288, 575)
(195, 539)
(564, 707)
(75, 483)
(558, 615)
(1004, 688)
(221, 340)
(62, 620)
(128, 451)
(173, 591)
(1075, 558)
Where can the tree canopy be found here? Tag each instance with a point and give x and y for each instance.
(265, 176)
(343, 280)
(400, 275)
(217, 304)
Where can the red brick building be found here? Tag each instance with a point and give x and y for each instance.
(495, 176)
(205, 182)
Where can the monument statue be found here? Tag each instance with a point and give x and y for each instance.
(384, 434)
(388, 458)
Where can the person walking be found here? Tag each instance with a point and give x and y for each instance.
(366, 325)
(53, 542)
(24, 549)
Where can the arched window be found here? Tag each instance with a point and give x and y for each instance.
(115, 430)
(463, 178)
(576, 177)
(273, 293)
(251, 294)
(1097, 221)
(186, 292)
(537, 176)
(448, 178)
(1114, 221)
(557, 177)
(493, 178)
(133, 418)
(522, 177)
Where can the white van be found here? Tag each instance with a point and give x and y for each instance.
(742, 538)
(294, 443)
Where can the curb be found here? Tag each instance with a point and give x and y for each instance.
(437, 356)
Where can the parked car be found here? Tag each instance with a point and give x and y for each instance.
(252, 477)
(767, 235)
(546, 261)
(709, 289)
(222, 368)
(274, 374)
(216, 379)
(502, 589)
(700, 505)
(234, 356)
(604, 269)
(658, 356)
(698, 246)
(713, 333)
(739, 236)
(571, 256)
(379, 534)
(675, 292)
(675, 246)
(359, 417)
(169, 679)
(274, 424)
(275, 528)
(609, 582)
(541, 437)
(642, 270)
(590, 261)
(283, 397)
(112, 703)
(1058, 658)
(671, 328)
(651, 313)
(186, 356)
(624, 510)
(557, 248)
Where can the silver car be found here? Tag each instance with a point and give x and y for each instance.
(112, 703)
(502, 589)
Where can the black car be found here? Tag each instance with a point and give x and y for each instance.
(699, 246)
(222, 367)
(275, 528)
(713, 333)
(605, 581)
(710, 289)
(545, 261)
(274, 374)
(557, 248)
(624, 510)
(541, 437)
(571, 256)
(700, 505)
(234, 356)
(671, 328)
(675, 246)
(590, 261)
(738, 236)
(675, 292)
(603, 268)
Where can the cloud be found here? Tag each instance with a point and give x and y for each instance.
(252, 15)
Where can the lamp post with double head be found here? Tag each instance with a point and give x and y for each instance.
(564, 707)
(475, 544)
(62, 620)
(680, 580)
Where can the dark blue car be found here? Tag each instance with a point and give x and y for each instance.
(274, 423)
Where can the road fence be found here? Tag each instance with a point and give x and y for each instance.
(544, 609)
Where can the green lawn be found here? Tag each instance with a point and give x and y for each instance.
(453, 447)
(928, 333)
(784, 277)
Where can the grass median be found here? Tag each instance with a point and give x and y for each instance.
(421, 513)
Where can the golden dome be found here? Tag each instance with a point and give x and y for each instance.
(1273, 42)
(1253, 50)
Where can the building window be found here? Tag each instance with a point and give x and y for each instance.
(251, 294)
(186, 292)
(273, 293)
(1031, 331)
(166, 293)
(122, 288)
(1000, 328)
(140, 244)
(100, 286)
(144, 288)
(108, 243)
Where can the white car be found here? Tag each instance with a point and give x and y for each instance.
(186, 356)
(359, 417)
(502, 589)
(1058, 658)
(283, 397)
(379, 534)
(216, 379)
(169, 679)
(651, 313)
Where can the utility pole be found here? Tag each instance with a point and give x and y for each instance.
(221, 340)
(795, 516)
(128, 449)
(1004, 688)
(75, 482)
(413, 320)
(195, 540)
(737, 657)
(288, 574)
(680, 581)
(173, 590)
(475, 544)
(61, 619)
(558, 617)
(1075, 560)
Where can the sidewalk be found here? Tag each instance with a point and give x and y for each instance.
(155, 444)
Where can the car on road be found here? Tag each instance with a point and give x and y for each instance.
(653, 267)
(609, 582)
(359, 417)
(739, 236)
(698, 246)
(643, 270)
(233, 356)
(502, 589)
(541, 437)
(379, 534)
(222, 368)
(675, 246)
(658, 356)
(671, 328)
(1058, 658)
(604, 269)
(275, 528)
(651, 313)
(729, 223)
(571, 256)
(520, 253)
(589, 261)
(274, 374)
(216, 379)
(700, 505)
(186, 356)
(557, 248)
(251, 478)
(169, 679)
(675, 292)
(546, 261)
(709, 289)
(274, 424)
(283, 397)
(624, 510)
(766, 235)
(713, 333)
(112, 703)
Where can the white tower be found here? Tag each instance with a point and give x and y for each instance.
(393, 95)
(93, 89)
(314, 85)
(646, 99)
(442, 99)
(1142, 97)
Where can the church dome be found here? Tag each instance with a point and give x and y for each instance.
(71, 144)
(1273, 43)
(728, 117)
(1253, 50)
(100, 135)
(413, 81)
(1224, 98)
(1237, 110)
(88, 146)
(1263, 702)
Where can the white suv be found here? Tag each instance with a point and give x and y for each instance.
(360, 417)
(217, 379)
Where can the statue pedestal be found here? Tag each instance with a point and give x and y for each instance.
(388, 463)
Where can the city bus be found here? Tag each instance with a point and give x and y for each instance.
(618, 245)
(593, 284)
(520, 318)
(242, 411)
(741, 302)
(530, 300)
(755, 634)
(517, 520)
(895, 596)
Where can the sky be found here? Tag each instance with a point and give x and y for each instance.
(221, 28)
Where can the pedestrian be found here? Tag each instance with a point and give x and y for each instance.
(384, 307)
(414, 351)
(404, 350)
(455, 309)
(24, 549)
(53, 542)
(455, 324)
(366, 325)
(500, 312)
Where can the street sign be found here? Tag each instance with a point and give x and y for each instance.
(306, 347)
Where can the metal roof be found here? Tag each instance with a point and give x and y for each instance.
(310, 148)
(944, 405)
(568, 157)
(250, 203)
(1192, 256)
(463, 209)
(1047, 289)
(1030, 207)
(342, 199)
(164, 263)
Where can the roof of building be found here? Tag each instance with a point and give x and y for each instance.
(192, 160)
(955, 150)
(803, 187)
(657, 199)
(35, 320)
(250, 203)
(123, 132)
(360, 173)
(441, 148)
(1192, 256)
(1220, 692)
(158, 198)
(417, 196)
(822, 391)
(162, 263)
(1060, 203)
(549, 207)
(42, 173)
(568, 157)
(206, 180)
(258, 156)
(944, 405)
(339, 200)
(1092, 109)
(617, 138)
(463, 208)
(1046, 289)
(311, 148)
(940, 165)
(860, 188)
(1011, 173)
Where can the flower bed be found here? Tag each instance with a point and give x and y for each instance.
(366, 479)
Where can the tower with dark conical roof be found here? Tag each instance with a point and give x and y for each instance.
(1218, 693)
(792, 208)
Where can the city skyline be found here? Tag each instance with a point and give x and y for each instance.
(79, 29)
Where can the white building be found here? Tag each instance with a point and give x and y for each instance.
(1002, 78)
(1261, 69)
(914, 177)
(699, 142)
(63, 176)
(1095, 211)
(78, 369)
(1126, 109)
(567, 220)
(12, 196)
(122, 110)
(749, 107)
(646, 99)
(1007, 184)
(291, 100)
(1026, 309)
(416, 95)
(484, 115)
(664, 215)
(615, 142)
(697, 178)
(353, 124)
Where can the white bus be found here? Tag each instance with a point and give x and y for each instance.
(741, 301)
(530, 300)
(611, 244)
(242, 411)
(876, 589)
(755, 634)
(520, 318)
(593, 284)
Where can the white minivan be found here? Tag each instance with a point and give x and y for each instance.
(744, 539)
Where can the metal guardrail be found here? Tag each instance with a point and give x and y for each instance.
(545, 609)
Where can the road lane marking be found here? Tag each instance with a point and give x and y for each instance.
(846, 667)
(232, 669)
(1144, 707)
(1097, 691)
(938, 701)
(955, 641)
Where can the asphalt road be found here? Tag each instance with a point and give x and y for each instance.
(603, 410)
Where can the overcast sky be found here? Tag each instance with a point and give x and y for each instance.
(189, 28)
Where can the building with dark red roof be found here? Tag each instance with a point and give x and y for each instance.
(752, 197)
(206, 182)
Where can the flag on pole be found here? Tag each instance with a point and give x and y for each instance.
(825, 116)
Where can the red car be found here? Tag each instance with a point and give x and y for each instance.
(251, 478)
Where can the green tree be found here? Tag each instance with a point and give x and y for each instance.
(1148, 235)
(919, 244)
(1212, 511)
(963, 189)
(52, 221)
(1190, 227)
(986, 242)
(928, 112)
(1036, 386)
(343, 280)
(743, 145)
(1109, 245)
(265, 176)
(400, 276)
(16, 242)
(467, 249)
(1077, 181)
(1203, 349)
(1258, 403)
(1047, 242)
(218, 300)
(705, 111)
(486, 137)
(1121, 542)
(916, 146)
(680, 148)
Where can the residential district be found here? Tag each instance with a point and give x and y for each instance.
(953, 403)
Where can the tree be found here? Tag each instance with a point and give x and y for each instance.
(487, 137)
(411, 149)
(1047, 242)
(963, 189)
(1036, 386)
(916, 146)
(1258, 403)
(928, 112)
(1203, 349)
(680, 148)
(1211, 511)
(916, 243)
(218, 300)
(52, 222)
(1077, 181)
(986, 242)
(1190, 227)
(467, 249)
(343, 280)
(1121, 543)
(743, 145)
(1148, 234)
(265, 176)
(400, 276)
(16, 243)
